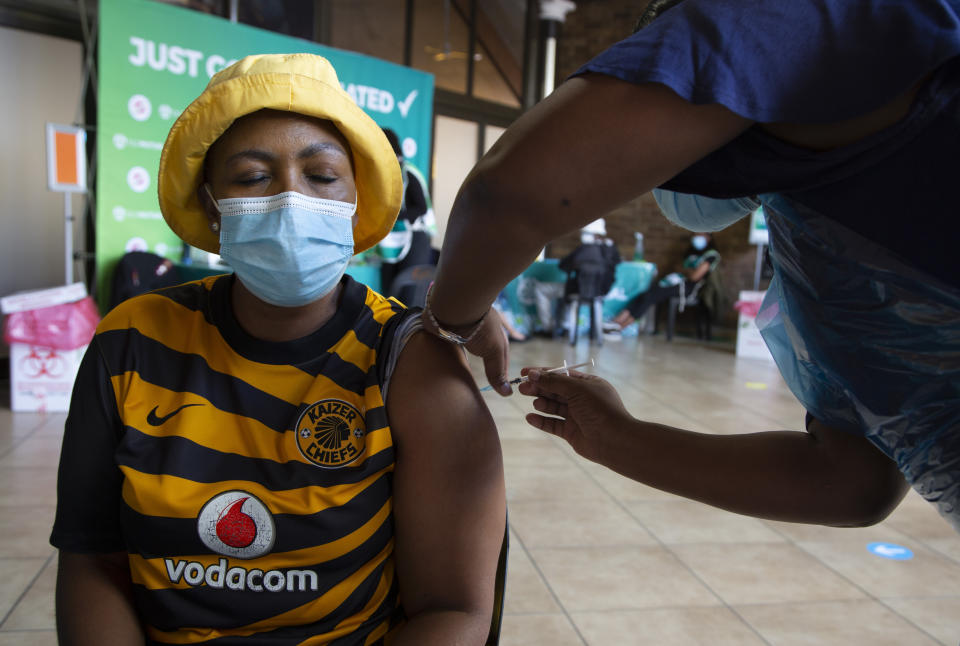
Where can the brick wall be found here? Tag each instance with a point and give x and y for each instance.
(588, 30)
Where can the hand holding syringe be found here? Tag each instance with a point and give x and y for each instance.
(565, 369)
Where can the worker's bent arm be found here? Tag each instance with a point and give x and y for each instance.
(592, 145)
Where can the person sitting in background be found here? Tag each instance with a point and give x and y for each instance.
(591, 270)
(261, 457)
(699, 260)
(409, 243)
(592, 266)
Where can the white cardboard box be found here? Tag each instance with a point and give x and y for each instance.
(41, 379)
(749, 342)
(36, 299)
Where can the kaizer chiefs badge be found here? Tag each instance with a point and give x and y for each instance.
(331, 433)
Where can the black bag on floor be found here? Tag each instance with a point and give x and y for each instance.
(139, 272)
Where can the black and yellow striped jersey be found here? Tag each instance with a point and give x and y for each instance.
(249, 481)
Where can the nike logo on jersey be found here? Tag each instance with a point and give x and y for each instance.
(153, 420)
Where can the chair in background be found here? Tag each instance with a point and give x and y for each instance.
(701, 312)
(596, 318)
(706, 299)
(411, 285)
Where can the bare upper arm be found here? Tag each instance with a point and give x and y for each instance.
(449, 501)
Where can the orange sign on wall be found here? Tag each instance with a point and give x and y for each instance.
(66, 158)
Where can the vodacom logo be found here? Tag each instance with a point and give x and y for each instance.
(238, 524)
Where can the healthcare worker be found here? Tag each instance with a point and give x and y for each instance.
(850, 145)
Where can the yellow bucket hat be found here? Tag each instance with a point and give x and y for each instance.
(302, 83)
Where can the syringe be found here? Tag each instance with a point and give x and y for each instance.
(565, 369)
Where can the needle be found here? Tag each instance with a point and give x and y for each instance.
(564, 369)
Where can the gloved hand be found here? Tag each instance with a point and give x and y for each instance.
(584, 407)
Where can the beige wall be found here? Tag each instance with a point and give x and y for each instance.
(41, 77)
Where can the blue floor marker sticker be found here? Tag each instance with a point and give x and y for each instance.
(890, 551)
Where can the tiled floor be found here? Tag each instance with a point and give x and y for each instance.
(597, 559)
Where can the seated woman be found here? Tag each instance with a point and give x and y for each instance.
(261, 457)
(699, 260)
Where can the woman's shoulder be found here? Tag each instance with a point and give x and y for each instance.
(168, 302)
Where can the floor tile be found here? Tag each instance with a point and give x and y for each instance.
(622, 488)
(799, 532)
(26, 486)
(526, 591)
(550, 482)
(16, 576)
(19, 425)
(666, 627)
(883, 577)
(575, 523)
(517, 430)
(850, 623)
(41, 451)
(538, 630)
(685, 521)
(764, 573)
(34, 611)
(525, 451)
(938, 617)
(28, 638)
(52, 426)
(620, 578)
(918, 518)
(26, 531)
(949, 547)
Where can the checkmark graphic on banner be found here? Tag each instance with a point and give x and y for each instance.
(404, 106)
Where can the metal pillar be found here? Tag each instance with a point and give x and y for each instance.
(552, 15)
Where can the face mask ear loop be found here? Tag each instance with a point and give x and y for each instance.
(216, 205)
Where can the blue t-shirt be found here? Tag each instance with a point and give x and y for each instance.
(821, 61)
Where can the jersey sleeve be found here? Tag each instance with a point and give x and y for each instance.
(789, 60)
(89, 480)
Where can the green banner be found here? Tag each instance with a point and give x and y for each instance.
(154, 59)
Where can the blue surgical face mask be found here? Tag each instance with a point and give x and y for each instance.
(287, 249)
(698, 213)
(699, 242)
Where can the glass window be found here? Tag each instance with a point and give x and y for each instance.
(291, 17)
(372, 27)
(498, 71)
(489, 83)
(440, 44)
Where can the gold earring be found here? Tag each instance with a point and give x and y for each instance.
(214, 226)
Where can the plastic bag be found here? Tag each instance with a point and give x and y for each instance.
(63, 327)
(747, 308)
(868, 344)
